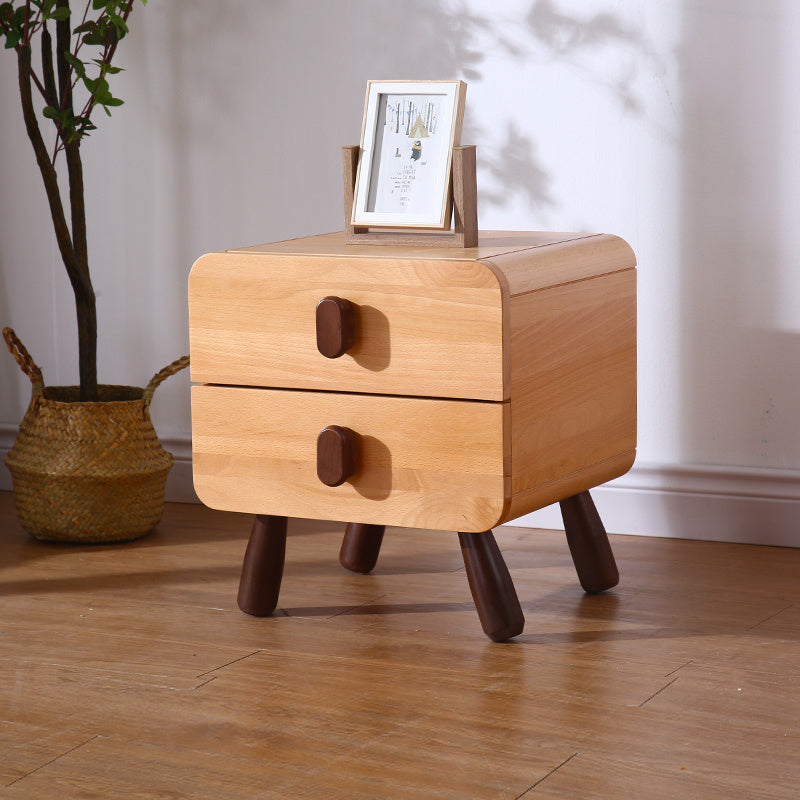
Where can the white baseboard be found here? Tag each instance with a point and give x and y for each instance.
(751, 506)
(722, 504)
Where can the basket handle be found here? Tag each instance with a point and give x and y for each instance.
(23, 358)
(161, 376)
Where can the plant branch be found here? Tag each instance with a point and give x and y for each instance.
(47, 170)
(74, 258)
(102, 27)
(109, 49)
(77, 208)
(37, 82)
(72, 147)
(27, 32)
(63, 39)
(48, 72)
(79, 40)
(50, 91)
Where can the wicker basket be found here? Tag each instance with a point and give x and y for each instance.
(88, 472)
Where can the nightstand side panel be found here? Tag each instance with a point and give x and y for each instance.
(573, 388)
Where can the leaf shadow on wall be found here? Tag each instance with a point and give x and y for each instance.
(556, 34)
(599, 48)
(257, 104)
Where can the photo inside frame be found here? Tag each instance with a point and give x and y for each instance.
(410, 155)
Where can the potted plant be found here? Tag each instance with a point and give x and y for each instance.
(86, 464)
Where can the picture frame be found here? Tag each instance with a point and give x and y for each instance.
(408, 134)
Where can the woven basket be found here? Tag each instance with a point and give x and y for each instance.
(87, 472)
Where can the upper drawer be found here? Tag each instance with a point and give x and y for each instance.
(422, 327)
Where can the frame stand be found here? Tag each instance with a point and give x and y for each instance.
(465, 207)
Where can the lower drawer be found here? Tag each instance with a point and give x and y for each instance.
(425, 463)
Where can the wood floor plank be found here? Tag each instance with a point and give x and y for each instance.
(129, 672)
(27, 747)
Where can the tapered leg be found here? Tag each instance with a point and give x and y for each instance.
(262, 569)
(491, 586)
(588, 543)
(360, 547)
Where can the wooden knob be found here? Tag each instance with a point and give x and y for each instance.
(335, 326)
(336, 454)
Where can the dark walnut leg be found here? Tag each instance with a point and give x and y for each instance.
(588, 543)
(360, 547)
(262, 569)
(491, 586)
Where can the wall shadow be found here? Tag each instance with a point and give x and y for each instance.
(571, 39)
(267, 142)
(545, 34)
(740, 387)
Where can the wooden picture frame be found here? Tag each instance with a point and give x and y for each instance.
(404, 173)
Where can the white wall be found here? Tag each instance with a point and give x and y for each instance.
(674, 124)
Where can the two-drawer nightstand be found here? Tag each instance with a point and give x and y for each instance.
(438, 388)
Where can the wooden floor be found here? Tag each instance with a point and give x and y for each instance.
(128, 672)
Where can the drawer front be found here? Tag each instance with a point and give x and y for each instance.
(425, 328)
(424, 463)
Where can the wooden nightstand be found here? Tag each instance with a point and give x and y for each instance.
(440, 388)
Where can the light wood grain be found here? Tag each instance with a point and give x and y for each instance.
(543, 322)
(436, 463)
(491, 244)
(572, 257)
(129, 673)
(573, 387)
(423, 327)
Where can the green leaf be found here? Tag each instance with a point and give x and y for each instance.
(20, 16)
(94, 85)
(13, 38)
(83, 125)
(95, 37)
(60, 13)
(76, 64)
(6, 10)
(119, 26)
(62, 117)
(101, 26)
(106, 68)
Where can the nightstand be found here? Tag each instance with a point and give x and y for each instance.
(437, 388)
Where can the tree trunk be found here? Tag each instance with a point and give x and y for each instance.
(72, 246)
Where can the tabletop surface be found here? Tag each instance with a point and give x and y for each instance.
(491, 244)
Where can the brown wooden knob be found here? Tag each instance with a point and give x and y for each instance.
(336, 454)
(335, 326)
